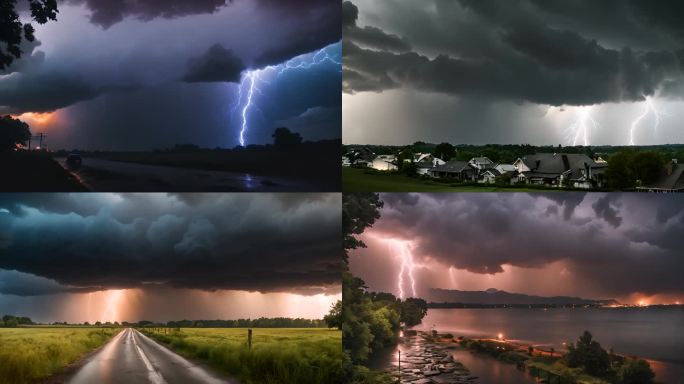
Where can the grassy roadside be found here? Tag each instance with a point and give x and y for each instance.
(28, 354)
(35, 172)
(360, 180)
(278, 355)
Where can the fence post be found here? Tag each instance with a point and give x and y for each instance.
(249, 338)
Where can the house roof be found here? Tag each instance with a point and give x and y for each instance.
(481, 160)
(506, 167)
(452, 166)
(669, 181)
(558, 163)
(424, 164)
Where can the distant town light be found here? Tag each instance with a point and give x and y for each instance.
(500, 336)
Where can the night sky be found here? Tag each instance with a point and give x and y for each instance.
(542, 72)
(151, 74)
(621, 246)
(166, 257)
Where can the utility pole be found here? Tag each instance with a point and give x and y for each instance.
(399, 366)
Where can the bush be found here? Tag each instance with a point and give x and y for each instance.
(636, 372)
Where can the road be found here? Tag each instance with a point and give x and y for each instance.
(133, 358)
(115, 176)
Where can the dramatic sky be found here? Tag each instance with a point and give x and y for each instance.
(513, 71)
(622, 246)
(89, 257)
(150, 74)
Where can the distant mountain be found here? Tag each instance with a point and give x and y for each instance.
(496, 297)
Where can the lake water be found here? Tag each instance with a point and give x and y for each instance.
(654, 334)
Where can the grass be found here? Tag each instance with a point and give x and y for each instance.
(35, 172)
(30, 354)
(361, 180)
(278, 355)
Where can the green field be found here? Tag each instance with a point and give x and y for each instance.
(28, 354)
(278, 355)
(360, 180)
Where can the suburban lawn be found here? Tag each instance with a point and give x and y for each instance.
(360, 180)
(278, 355)
(28, 354)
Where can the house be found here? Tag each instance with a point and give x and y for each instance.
(359, 157)
(426, 166)
(670, 180)
(558, 169)
(481, 163)
(385, 163)
(489, 176)
(459, 170)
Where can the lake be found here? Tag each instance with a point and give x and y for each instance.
(655, 334)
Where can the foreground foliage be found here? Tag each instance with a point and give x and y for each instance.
(277, 355)
(28, 354)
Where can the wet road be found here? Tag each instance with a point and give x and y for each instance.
(133, 358)
(115, 176)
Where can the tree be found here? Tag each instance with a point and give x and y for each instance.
(635, 371)
(12, 132)
(589, 355)
(334, 317)
(445, 151)
(413, 310)
(284, 138)
(12, 31)
(359, 211)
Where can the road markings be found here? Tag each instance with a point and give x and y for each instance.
(154, 376)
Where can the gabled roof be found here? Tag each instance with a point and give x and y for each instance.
(425, 164)
(669, 181)
(452, 166)
(559, 163)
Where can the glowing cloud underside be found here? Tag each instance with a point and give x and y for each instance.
(251, 79)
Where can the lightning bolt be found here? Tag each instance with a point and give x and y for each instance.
(649, 108)
(249, 83)
(402, 249)
(580, 129)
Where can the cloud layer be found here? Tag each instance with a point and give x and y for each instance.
(603, 245)
(268, 243)
(526, 50)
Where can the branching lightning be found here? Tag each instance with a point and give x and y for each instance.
(402, 250)
(650, 108)
(249, 84)
(580, 129)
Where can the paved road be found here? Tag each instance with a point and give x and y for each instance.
(133, 358)
(115, 176)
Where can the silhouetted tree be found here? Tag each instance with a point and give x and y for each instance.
(284, 138)
(412, 311)
(12, 132)
(588, 354)
(359, 211)
(12, 31)
(636, 372)
(445, 151)
(334, 317)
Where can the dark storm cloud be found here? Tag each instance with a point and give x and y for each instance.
(266, 243)
(544, 52)
(109, 12)
(148, 71)
(608, 241)
(319, 26)
(217, 64)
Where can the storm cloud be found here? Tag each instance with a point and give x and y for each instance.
(602, 245)
(55, 243)
(98, 54)
(502, 65)
(521, 51)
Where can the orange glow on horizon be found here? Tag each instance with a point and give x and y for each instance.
(38, 119)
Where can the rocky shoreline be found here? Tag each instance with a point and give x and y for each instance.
(428, 362)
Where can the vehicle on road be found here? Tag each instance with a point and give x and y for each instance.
(74, 161)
